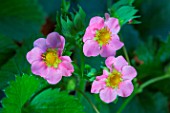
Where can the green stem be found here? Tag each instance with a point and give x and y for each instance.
(139, 90)
(151, 81)
(90, 102)
(82, 82)
(126, 54)
(126, 102)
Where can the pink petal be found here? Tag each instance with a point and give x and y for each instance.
(107, 51)
(39, 68)
(102, 77)
(41, 43)
(66, 58)
(97, 86)
(34, 55)
(119, 62)
(54, 76)
(107, 16)
(113, 25)
(109, 62)
(97, 20)
(88, 34)
(66, 68)
(91, 48)
(108, 95)
(128, 72)
(116, 44)
(125, 88)
(54, 40)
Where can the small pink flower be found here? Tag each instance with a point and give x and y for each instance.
(101, 37)
(46, 58)
(116, 82)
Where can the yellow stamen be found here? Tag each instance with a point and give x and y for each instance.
(113, 79)
(103, 36)
(51, 58)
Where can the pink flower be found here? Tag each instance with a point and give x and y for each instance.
(101, 37)
(46, 58)
(116, 82)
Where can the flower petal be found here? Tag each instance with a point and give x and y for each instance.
(119, 62)
(88, 34)
(113, 25)
(107, 51)
(54, 40)
(91, 48)
(108, 95)
(54, 76)
(116, 44)
(66, 58)
(66, 68)
(39, 68)
(109, 62)
(125, 88)
(102, 77)
(97, 86)
(34, 55)
(128, 72)
(41, 43)
(97, 20)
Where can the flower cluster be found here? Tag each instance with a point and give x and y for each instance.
(100, 38)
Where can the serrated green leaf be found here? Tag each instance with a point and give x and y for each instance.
(124, 11)
(65, 5)
(18, 93)
(79, 19)
(53, 101)
(20, 19)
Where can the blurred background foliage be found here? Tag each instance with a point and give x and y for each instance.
(147, 43)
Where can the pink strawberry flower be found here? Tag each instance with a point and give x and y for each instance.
(116, 82)
(101, 37)
(46, 58)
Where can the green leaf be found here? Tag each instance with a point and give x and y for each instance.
(19, 92)
(163, 52)
(155, 18)
(7, 50)
(75, 25)
(52, 101)
(124, 11)
(79, 19)
(17, 64)
(20, 19)
(65, 5)
(144, 103)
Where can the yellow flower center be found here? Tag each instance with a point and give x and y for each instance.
(51, 58)
(113, 79)
(103, 36)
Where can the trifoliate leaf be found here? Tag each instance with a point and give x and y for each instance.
(18, 93)
(53, 101)
(19, 19)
